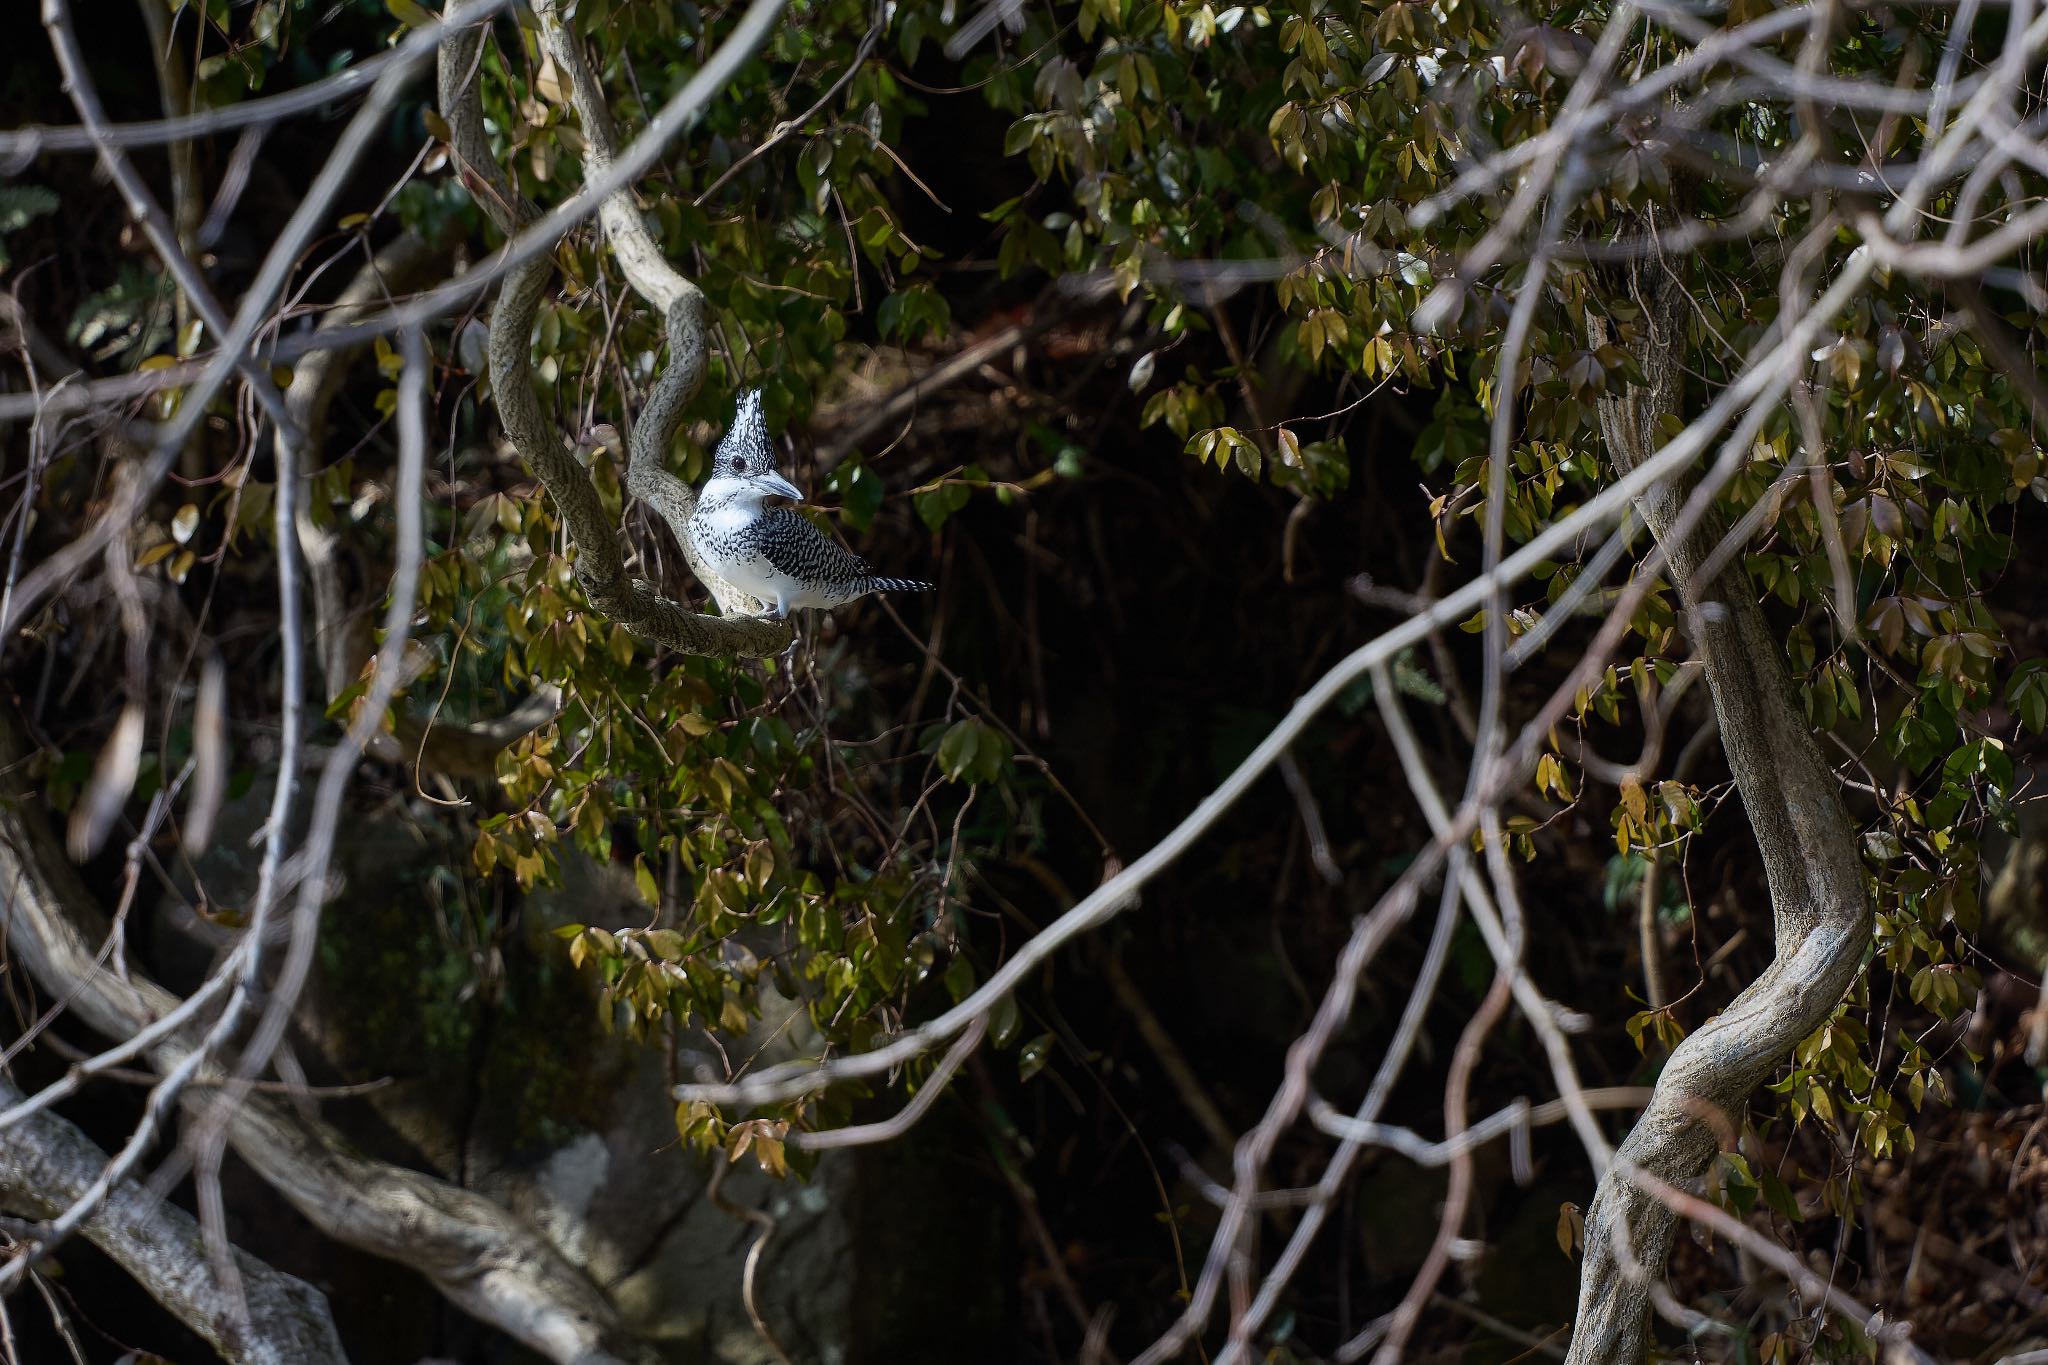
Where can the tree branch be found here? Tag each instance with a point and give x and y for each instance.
(671, 293)
(398, 267)
(599, 561)
(237, 341)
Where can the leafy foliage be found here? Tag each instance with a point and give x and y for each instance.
(1187, 152)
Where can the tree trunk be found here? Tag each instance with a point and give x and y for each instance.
(1820, 909)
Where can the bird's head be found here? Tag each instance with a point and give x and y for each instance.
(744, 464)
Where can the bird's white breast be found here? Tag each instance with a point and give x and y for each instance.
(725, 534)
(730, 519)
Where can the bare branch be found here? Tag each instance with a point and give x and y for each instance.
(1763, 380)
(142, 206)
(903, 1121)
(1513, 1121)
(250, 316)
(400, 266)
(23, 145)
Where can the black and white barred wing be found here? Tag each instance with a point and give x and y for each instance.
(797, 548)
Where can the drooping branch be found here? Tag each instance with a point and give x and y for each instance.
(1820, 907)
(487, 1262)
(46, 1164)
(599, 564)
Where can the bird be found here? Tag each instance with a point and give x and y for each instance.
(772, 553)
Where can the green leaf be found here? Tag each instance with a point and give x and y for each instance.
(345, 700)
(1003, 1019)
(860, 494)
(1021, 134)
(913, 311)
(937, 505)
(2026, 693)
(1032, 1057)
(971, 751)
(22, 204)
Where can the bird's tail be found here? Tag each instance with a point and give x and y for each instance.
(897, 585)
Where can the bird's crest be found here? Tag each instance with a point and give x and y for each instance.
(746, 440)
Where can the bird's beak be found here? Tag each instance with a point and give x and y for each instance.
(775, 483)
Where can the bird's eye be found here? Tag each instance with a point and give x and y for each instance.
(739, 466)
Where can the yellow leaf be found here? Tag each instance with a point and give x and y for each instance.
(768, 1151)
(1571, 1229)
(731, 1017)
(1633, 800)
(547, 83)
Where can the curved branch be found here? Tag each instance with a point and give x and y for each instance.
(483, 1259)
(673, 294)
(600, 565)
(1820, 908)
